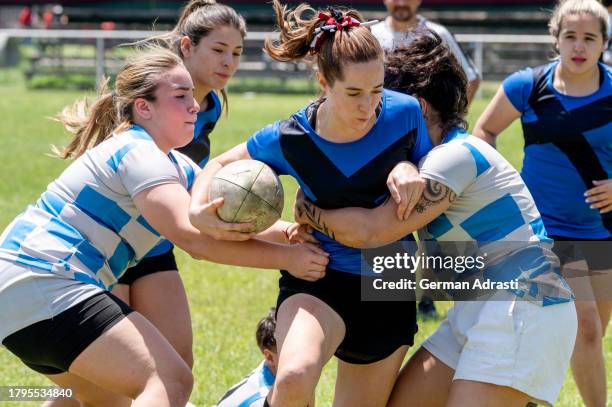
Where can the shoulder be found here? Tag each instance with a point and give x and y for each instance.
(438, 29)
(381, 28)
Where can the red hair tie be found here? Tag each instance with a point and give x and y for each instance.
(332, 23)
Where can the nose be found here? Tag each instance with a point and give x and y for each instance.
(195, 107)
(579, 45)
(227, 59)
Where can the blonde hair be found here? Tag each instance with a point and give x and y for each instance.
(92, 122)
(351, 45)
(570, 7)
(198, 19)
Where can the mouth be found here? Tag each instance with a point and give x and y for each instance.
(578, 60)
(223, 75)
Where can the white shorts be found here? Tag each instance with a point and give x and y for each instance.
(513, 343)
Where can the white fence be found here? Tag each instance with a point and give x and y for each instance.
(477, 41)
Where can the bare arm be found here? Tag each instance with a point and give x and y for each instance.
(498, 115)
(165, 207)
(368, 228)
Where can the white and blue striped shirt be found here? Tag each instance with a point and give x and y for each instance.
(495, 209)
(250, 391)
(85, 226)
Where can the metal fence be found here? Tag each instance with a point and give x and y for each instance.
(495, 55)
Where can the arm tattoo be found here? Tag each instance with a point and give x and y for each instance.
(313, 213)
(433, 194)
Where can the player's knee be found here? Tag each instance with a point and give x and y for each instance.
(589, 327)
(176, 385)
(297, 380)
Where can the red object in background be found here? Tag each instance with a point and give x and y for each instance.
(25, 17)
(47, 18)
(107, 25)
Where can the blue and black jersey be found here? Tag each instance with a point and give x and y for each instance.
(339, 175)
(568, 145)
(198, 149)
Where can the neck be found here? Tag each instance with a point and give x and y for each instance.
(576, 84)
(157, 139)
(435, 134)
(200, 93)
(401, 26)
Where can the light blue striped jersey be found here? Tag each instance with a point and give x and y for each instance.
(495, 209)
(85, 226)
(250, 391)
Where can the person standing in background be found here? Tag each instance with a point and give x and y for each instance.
(399, 27)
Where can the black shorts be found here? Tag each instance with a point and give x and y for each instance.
(374, 329)
(596, 252)
(149, 265)
(50, 346)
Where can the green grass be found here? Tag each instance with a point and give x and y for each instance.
(226, 302)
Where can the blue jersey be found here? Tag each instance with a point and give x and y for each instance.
(198, 149)
(339, 175)
(85, 226)
(568, 144)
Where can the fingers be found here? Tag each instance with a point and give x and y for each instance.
(403, 204)
(414, 199)
(606, 209)
(596, 191)
(214, 204)
(393, 190)
(316, 249)
(306, 237)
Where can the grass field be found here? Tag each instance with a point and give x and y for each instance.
(226, 302)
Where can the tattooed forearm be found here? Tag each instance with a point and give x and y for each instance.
(433, 194)
(313, 214)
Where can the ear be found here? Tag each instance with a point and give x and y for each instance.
(142, 108)
(186, 46)
(322, 82)
(424, 106)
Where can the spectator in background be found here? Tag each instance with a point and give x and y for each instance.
(403, 20)
(25, 17)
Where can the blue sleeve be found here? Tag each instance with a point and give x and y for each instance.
(422, 145)
(265, 146)
(518, 88)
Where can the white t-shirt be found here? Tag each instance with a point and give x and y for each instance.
(390, 39)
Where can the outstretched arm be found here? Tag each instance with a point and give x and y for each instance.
(368, 228)
(165, 208)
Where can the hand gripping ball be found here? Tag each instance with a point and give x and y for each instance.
(252, 192)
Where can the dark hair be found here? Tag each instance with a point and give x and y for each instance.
(349, 45)
(197, 20)
(427, 68)
(265, 331)
(606, 3)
